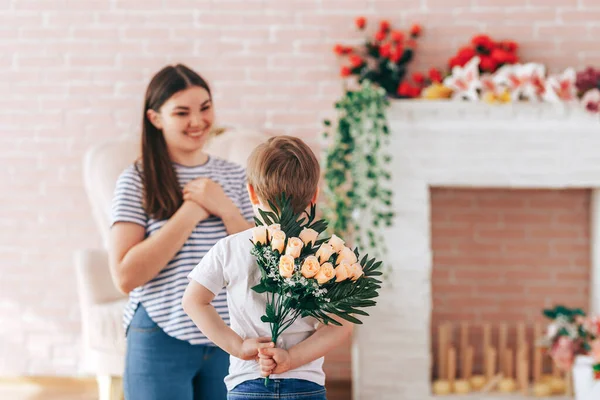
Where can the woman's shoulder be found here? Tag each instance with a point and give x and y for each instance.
(132, 174)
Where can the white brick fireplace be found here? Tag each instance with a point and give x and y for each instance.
(452, 144)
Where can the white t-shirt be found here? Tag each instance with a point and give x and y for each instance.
(229, 264)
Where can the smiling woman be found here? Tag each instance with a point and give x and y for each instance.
(169, 208)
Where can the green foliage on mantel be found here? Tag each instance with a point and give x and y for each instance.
(358, 203)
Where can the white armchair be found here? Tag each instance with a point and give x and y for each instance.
(101, 303)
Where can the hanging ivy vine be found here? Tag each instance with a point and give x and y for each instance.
(358, 201)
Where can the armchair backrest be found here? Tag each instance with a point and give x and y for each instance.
(104, 163)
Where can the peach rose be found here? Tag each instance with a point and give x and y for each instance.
(272, 228)
(294, 247)
(309, 235)
(346, 255)
(342, 271)
(324, 252)
(325, 274)
(310, 267)
(259, 235)
(356, 271)
(278, 240)
(337, 243)
(286, 266)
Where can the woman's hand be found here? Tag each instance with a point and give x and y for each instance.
(209, 195)
(194, 210)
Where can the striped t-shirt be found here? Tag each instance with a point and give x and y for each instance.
(161, 297)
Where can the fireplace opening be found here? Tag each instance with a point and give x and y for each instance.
(500, 256)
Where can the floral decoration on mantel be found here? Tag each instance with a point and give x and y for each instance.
(517, 82)
(493, 54)
(384, 58)
(484, 69)
(571, 333)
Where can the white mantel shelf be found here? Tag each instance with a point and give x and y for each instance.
(460, 144)
(464, 144)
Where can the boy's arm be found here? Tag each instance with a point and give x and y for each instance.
(315, 346)
(196, 303)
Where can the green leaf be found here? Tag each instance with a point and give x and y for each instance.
(260, 288)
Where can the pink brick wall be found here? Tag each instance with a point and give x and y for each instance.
(72, 74)
(504, 255)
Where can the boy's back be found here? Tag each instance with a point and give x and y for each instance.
(229, 264)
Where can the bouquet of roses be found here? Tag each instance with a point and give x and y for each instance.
(308, 277)
(571, 333)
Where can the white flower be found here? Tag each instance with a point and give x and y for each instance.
(526, 81)
(464, 81)
(552, 330)
(561, 87)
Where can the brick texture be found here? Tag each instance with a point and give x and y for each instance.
(503, 255)
(72, 74)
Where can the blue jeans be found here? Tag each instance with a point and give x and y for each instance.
(159, 367)
(284, 389)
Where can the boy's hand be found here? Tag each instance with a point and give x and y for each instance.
(250, 347)
(274, 361)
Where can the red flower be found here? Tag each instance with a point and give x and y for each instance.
(384, 25)
(501, 56)
(415, 30)
(488, 64)
(511, 58)
(404, 89)
(465, 54)
(509, 45)
(397, 36)
(455, 62)
(483, 41)
(418, 77)
(356, 61)
(480, 39)
(339, 49)
(361, 22)
(380, 36)
(396, 54)
(415, 92)
(435, 75)
(385, 50)
(345, 71)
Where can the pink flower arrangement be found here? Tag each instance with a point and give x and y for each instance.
(571, 333)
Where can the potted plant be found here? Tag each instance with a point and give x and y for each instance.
(573, 343)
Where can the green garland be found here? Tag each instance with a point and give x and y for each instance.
(357, 202)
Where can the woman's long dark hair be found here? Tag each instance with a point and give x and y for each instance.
(162, 193)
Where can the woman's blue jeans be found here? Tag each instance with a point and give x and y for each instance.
(159, 367)
(284, 389)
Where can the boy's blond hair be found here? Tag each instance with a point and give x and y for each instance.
(284, 164)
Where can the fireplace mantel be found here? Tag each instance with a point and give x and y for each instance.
(461, 144)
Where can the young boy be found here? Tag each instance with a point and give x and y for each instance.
(282, 164)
